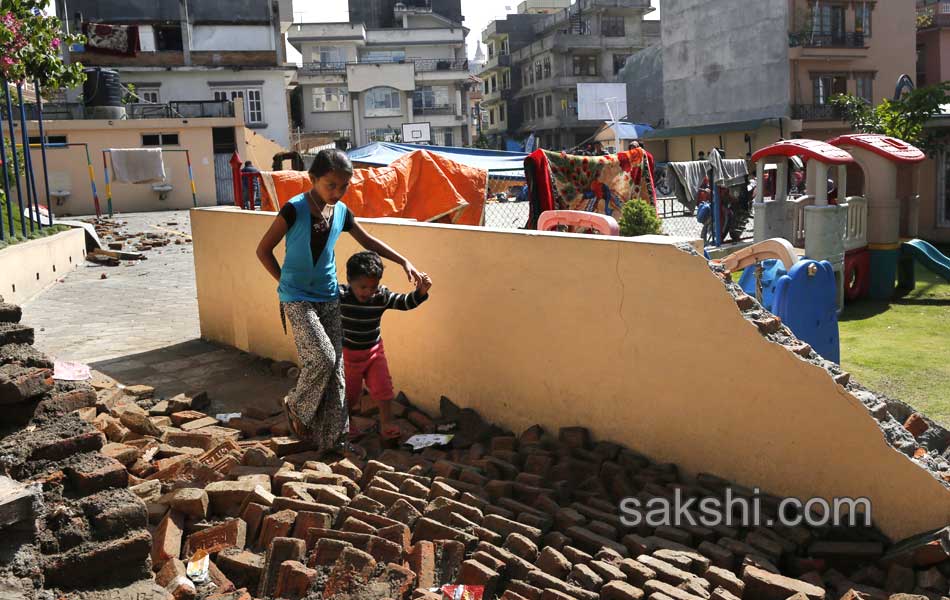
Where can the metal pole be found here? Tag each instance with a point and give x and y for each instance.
(32, 201)
(39, 110)
(191, 179)
(105, 169)
(717, 238)
(16, 160)
(92, 180)
(6, 185)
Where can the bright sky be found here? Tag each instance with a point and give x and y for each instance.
(478, 14)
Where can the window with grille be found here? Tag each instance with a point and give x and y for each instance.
(612, 26)
(538, 72)
(862, 19)
(547, 67)
(539, 107)
(330, 99)
(548, 106)
(501, 113)
(147, 95)
(864, 86)
(383, 102)
(619, 61)
(253, 102)
(431, 97)
(585, 65)
(159, 139)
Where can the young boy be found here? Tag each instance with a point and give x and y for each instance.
(362, 304)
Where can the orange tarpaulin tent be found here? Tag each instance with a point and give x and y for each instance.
(419, 185)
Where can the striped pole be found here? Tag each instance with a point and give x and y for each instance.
(92, 180)
(6, 185)
(105, 169)
(16, 160)
(32, 201)
(39, 110)
(191, 179)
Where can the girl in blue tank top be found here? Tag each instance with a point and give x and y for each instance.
(311, 224)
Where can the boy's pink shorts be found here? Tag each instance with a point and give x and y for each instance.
(368, 366)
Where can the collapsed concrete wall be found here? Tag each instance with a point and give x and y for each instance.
(634, 340)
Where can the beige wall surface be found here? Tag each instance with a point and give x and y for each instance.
(68, 168)
(28, 267)
(637, 341)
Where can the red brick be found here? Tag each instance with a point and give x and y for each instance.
(554, 563)
(354, 525)
(190, 501)
(449, 557)
(620, 590)
(588, 540)
(427, 529)
(173, 568)
(202, 423)
(350, 573)
(382, 550)
(186, 416)
(522, 546)
(294, 580)
(227, 497)
(231, 533)
(219, 579)
(475, 573)
(96, 474)
(399, 578)
(548, 583)
(275, 525)
(19, 384)
(525, 590)
(241, 566)
(166, 541)
(307, 520)
(585, 577)
(191, 439)
(346, 468)
(762, 585)
(398, 534)
(89, 565)
(253, 515)
(327, 551)
(421, 559)
(281, 550)
(403, 512)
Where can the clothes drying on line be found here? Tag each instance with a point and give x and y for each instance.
(137, 165)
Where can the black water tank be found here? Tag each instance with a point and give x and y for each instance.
(101, 87)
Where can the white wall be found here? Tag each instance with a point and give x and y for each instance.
(232, 37)
(193, 85)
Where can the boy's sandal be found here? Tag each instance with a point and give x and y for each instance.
(292, 422)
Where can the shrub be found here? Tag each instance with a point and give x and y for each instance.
(639, 218)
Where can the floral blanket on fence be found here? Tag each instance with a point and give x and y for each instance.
(111, 39)
(600, 184)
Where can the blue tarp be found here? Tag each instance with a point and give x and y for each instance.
(500, 165)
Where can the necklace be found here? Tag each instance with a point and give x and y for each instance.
(321, 208)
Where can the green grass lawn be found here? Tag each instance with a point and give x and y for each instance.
(18, 232)
(902, 348)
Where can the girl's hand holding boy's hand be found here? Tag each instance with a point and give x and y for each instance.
(423, 284)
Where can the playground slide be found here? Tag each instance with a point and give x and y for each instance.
(927, 255)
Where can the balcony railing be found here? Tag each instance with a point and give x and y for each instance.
(937, 14)
(844, 39)
(184, 109)
(426, 65)
(439, 109)
(817, 112)
(423, 65)
(323, 67)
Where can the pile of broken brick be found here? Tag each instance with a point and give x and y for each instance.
(111, 232)
(120, 486)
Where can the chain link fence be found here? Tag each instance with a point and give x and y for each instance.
(506, 215)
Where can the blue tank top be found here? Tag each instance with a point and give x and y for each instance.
(302, 278)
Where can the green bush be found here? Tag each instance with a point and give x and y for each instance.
(639, 218)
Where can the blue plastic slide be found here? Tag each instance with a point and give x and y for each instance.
(927, 255)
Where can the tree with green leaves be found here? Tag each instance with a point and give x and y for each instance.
(32, 46)
(904, 119)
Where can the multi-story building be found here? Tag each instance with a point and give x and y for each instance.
(933, 41)
(361, 84)
(742, 73)
(502, 38)
(587, 42)
(189, 50)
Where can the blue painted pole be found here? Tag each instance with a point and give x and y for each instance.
(39, 116)
(16, 160)
(32, 202)
(6, 185)
(717, 239)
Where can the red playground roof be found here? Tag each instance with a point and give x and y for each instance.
(882, 145)
(807, 149)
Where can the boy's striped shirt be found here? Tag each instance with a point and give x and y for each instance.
(361, 322)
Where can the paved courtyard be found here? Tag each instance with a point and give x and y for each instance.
(140, 324)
